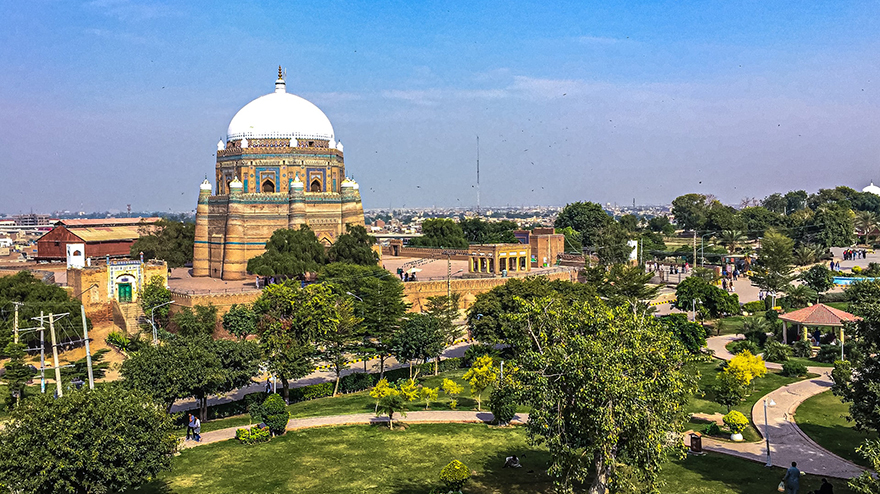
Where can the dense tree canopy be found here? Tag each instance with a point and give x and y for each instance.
(419, 338)
(95, 441)
(690, 211)
(290, 253)
(588, 218)
(487, 320)
(624, 285)
(582, 371)
(354, 247)
(479, 231)
(154, 298)
(708, 299)
(171, 241)
(773, 270)
(611, 244)
(441, 233)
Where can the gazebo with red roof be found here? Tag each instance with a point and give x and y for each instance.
(817, 315)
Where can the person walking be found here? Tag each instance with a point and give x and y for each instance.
(190, 426)
(197, 431)
(792, 479)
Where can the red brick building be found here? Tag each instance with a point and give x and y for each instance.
(111, 237)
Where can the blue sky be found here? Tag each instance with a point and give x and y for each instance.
(109, 102)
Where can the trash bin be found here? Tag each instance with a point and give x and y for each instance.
(696, 443)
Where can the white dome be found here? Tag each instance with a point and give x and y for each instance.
(280, 115)
(872, 189)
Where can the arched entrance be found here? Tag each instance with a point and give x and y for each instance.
(315, 186)
(268, 186)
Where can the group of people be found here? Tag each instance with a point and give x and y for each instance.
(852, 254)
(405, 276)
(834, 266)
(791, 483)
(194, 428)
(763, 294)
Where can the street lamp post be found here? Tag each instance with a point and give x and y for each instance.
(767, 431)
(153, 322)
(694, 309)
(702, 253)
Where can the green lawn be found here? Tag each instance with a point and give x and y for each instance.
(823, 418)
(361, 402)
(704, 402)
(356, 459)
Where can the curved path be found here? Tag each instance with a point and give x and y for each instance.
(787, 442)
(427, 416)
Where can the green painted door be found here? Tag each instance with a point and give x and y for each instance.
(124, 292)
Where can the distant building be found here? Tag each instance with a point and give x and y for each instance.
(872, 189)
(546, 245)
(32, 219)
(280, 167)
(105, 237)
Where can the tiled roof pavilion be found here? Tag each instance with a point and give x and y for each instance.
(819, 315)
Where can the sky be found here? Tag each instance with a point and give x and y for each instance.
(111, 102)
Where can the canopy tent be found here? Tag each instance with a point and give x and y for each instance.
(817, 315)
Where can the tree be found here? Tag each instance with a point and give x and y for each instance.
(775, 203)
(731, 239)
(795, 201)
(866, 223)
(80, 368)
(866, 483)
(745, 367)
(17, 374)
(153, 294)
(806, 254)
(378, 300)
(97, 441)
(341, 339)
(572, 239)
(728, 390)
(709, 300)
(857, 380)
(391, 404)
(773, 270)
(440, 233)
(290, 253)
(835, 224)
(476, 230)
(420, 338)
(169, 240)
(354, 247)
(445, 311)
(480, 376)
(588, 218)
(197, 321)
(381, 390)
(451, 389)
(292, 320)
(240, 321)
(455, 475)
(757, 220)
(661, 224)
(583, 369)
(611, 245)
(487, 317)
(690, 211)
(691, 334)
(629, 222)
(621, 284)
(720, 217)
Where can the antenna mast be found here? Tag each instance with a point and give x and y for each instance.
(478, 175)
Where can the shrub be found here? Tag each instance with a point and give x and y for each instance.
(355, 382)
(828, 353)
(756, 306)
(454, 475)
(275, 414)
(794, 369)
(775, 351)
(502, 403)
(856, 269)
(802, 348)
(476, 351)
(253, 435)
(712, 430)
(314, 391)
(740, 346)
(771, 315)
(759, 338)
(833, 297)
(736, 422)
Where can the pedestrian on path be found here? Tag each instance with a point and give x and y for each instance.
(792, 479)
(197, 432)
(190, 427)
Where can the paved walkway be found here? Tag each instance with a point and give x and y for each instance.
(444, 416)
(787, 442)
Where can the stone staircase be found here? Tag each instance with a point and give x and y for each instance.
(128, 316)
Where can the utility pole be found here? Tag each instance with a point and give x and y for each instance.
(15, 321)
(695, 248)
(58, 387)
(42, 355)
(88, 350)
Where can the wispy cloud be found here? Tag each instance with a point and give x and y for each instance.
(130, 10)
(602, 40)
(121, 36)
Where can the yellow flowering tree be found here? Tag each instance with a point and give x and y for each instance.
(744, 367)
(481, 375)
(429, 395)
(452, 389)
(381, 390)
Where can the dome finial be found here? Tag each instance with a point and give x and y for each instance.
(280, 75)
(280, 86)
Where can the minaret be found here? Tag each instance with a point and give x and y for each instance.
(234, 249)
(201, 263)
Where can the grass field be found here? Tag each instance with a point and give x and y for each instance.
(823, 418)
(704, 403)
(357, 459)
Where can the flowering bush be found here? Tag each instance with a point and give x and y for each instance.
(253, 435)
(736, 422)
(454, 475)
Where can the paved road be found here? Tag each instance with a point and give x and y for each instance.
(787, 442)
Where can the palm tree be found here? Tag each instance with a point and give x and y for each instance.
(808, 254)
(866, 222)
(731, 239)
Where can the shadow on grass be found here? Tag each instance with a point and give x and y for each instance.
(154, 487)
